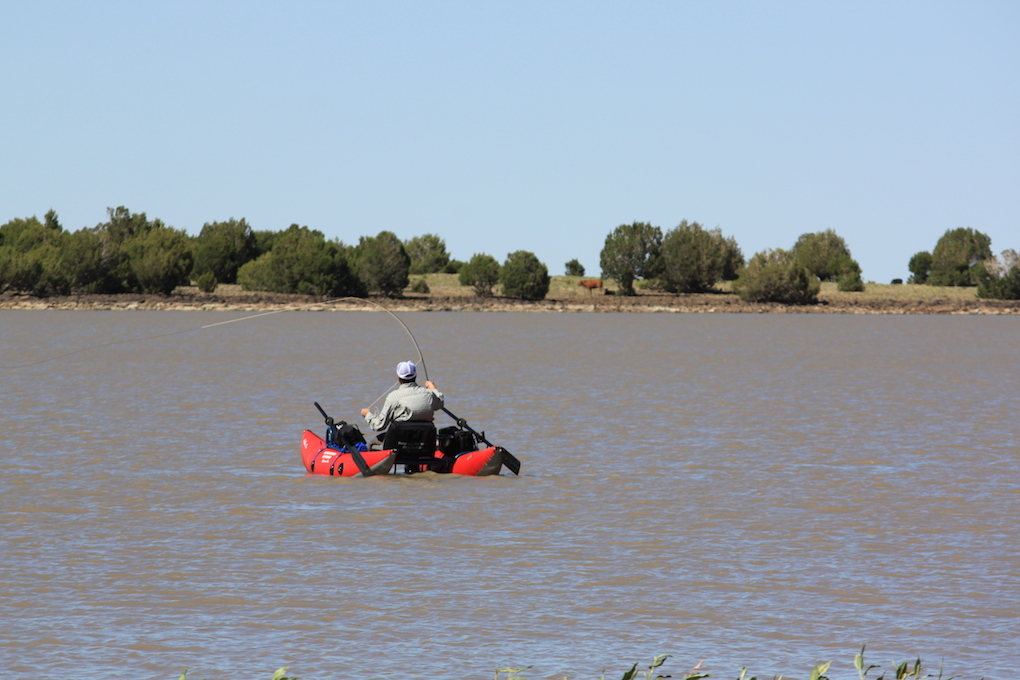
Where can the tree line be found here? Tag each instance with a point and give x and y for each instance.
(691, 259)
(130, 253)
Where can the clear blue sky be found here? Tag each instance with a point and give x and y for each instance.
(506, 126)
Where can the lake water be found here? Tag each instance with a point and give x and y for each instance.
(762, 490)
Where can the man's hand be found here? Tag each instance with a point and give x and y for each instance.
(429, 384)
(365, 412)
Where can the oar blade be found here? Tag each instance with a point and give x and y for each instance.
(359, 460)
(510, 461)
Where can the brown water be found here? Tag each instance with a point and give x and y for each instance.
(761, 490)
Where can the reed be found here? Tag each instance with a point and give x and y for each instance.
(906, 670)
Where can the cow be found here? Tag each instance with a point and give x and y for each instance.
(590, 284)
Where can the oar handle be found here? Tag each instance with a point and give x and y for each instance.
(359, 460)
(508, 458)
(463, 423)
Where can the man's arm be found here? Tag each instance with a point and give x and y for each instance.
(380, 420)
(437, 396)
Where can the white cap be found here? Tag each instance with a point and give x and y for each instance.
(406, 370)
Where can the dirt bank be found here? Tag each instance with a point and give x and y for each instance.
(185, 299)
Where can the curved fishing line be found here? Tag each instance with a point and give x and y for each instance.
(99, 346)
(379, 398)
(421, 359)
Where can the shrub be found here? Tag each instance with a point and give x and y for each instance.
(383, 264)
(999, 278)
(920, 267)
(428, 254)
(18, 271)
(222, 247)
(825, 254)
(574, 268)
(453, 267)
(851, 282)
(84, 264)
(124, 237)
(956, 256)
(523, 276)
(302, 261)
(481, 273)
(692, 259)
(631, 251)
(207, 282)
(421, 286)
(31, 256)
(158, 260)
(258, 275)
(776, 276)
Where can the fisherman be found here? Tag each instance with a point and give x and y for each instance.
(410, 401)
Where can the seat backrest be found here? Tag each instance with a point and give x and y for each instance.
(411, 440)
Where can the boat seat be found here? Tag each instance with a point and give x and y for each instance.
(412, 441)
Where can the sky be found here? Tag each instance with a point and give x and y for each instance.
(505, 126)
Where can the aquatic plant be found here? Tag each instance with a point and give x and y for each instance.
(907, 670)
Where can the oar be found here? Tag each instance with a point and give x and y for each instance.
(359, 460)
(509, 460)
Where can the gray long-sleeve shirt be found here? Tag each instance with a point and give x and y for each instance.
(410, 401)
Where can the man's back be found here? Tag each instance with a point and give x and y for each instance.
(410, 401)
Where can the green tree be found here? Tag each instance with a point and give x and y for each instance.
(18, 271)
(692, 260)
(777, 276)
(920, 267)
(524, 276)
(302, 261)
(222, 247)
(999, 277)
(265, 239)
(24, 234)
(383, 264)
(631, 251)
(121, 227)
(825, 254)
(31, 256)
(956, 256)
(83, 260)
(122, 224)
(733, 257)
(481, 273)
(158, 260)
(428, 254)
(574, 268)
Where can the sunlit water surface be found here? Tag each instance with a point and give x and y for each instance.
(761, 490)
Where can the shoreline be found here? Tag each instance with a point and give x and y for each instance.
(189, 299)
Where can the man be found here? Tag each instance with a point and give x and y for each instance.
(410, 401)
